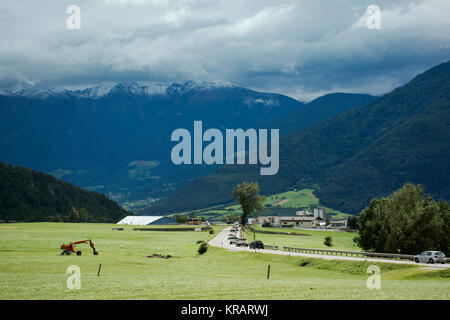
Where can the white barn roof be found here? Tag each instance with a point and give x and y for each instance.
(139, 220)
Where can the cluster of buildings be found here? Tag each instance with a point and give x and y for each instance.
(302, 219)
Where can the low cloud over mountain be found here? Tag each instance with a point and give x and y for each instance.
(300, 48)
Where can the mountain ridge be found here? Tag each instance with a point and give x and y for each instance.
(314, 156)
(127, 87)
(102, 141)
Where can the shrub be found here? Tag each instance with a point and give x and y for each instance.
(328, 241)
(2, 221)
(304, 263)
(56, 218)
(211, 231)
(199, 241)
(203, 248)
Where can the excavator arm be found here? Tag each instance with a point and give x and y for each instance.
(67, 249)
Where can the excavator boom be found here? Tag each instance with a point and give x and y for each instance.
(70, 248)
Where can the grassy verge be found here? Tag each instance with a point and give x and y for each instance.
(309, 238)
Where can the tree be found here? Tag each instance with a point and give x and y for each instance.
(203, 248)
(233, 217)
(328, 241)
(408, 221)
(352, 222)
(56, 218)
(84, 215)
(180, 218)
(74, 216)
(247, 194)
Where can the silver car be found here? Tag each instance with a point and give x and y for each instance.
(430, 257)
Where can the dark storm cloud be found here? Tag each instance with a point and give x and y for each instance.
(300, 48)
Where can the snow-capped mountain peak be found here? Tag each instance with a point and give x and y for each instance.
(131, 88)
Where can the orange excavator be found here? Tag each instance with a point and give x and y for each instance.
(70, 248)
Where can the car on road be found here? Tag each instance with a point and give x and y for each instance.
(232, 236)
(233, 230)
(258, 244)
(242, 243)
(430, 257)
(233, 240)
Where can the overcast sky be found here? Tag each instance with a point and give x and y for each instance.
(300, 48)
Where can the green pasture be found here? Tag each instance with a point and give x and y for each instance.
(31, 267)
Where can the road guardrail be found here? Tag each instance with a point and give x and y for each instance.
(350, 253)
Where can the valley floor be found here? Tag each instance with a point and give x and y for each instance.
(31, 267)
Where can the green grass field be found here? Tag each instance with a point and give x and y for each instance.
(312, 239)
(31, 267)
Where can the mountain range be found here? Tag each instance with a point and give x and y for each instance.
(115, 139)
(365, 152)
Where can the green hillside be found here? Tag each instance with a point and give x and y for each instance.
(280, 204)
(318, 110)
(366, 152)
(28, 195)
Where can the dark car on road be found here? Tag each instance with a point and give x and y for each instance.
(257, 245)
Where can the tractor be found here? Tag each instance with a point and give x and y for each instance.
(70, 248)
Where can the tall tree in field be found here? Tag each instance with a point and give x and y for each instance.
(247, 194)
(407, 221)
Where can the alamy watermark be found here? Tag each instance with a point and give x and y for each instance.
(73, 281)
(73, 22)
(214, 152)
(373, 21)
(374, 281)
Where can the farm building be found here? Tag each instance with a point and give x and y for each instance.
(338, 223)
(292, 221)
(302, 219)
(301, 222)
(139, 220)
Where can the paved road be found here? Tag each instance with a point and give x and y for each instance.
(221, 241)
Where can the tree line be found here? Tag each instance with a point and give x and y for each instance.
(28, 196)
(408, 221)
